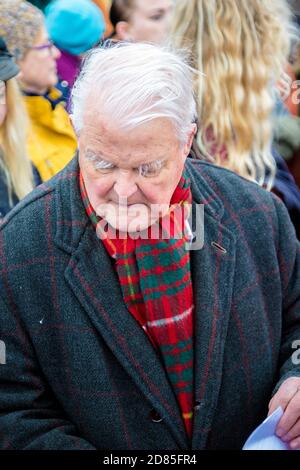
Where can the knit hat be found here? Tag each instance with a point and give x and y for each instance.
(20, 23)
(74, 26)
(8, 67)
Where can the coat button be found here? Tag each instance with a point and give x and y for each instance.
(155, 417)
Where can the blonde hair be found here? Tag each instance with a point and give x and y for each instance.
(241, 46)
(14, 162)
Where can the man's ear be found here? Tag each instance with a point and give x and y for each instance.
(190, 138)
(122, 31)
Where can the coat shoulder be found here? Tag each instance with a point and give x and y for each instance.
(227, 185)
(28, 221)
(244, 207)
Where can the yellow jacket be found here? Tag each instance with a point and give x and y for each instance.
(51, 142)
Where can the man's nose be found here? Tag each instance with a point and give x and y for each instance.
(125, 185)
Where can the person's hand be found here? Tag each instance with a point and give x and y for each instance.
(288, 397)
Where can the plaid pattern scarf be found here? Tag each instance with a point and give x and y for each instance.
(156, 285)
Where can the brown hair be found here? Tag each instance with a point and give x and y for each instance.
(120, 11)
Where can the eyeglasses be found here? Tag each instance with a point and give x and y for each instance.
(48, 46)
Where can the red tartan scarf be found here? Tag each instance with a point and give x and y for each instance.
(156, 285)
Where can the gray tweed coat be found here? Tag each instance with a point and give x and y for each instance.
(79, 372)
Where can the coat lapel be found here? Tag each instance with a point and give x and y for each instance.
(212, 269)
(94, 282)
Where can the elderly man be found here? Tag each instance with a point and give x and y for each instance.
(118, 336)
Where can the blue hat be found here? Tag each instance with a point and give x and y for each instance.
(74, 26)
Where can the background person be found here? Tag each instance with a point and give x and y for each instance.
(242, 48)
(16, 175)
(51, 140)
(74, 27)
(141, 20)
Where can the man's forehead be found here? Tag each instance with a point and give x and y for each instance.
(155, 133)
(102, 145)
(134, 153)
(94, 126)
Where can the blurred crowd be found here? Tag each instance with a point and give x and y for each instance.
(248, 104)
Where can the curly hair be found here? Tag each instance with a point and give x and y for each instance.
(242, 47)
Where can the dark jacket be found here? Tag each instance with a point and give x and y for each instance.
(81, 374)
(288, 191)
(5, 203)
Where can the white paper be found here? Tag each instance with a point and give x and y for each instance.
(264, 437)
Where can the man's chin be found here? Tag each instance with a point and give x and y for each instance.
(132, 219)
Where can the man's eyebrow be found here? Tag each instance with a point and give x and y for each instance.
(92, 155)
(98, 157)
(157, 160)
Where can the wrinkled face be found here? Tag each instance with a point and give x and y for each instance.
(150, 20)
(2, 101)
(130, 176)
(38, 67)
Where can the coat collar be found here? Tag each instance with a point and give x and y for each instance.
(94, 282)
(71, 216)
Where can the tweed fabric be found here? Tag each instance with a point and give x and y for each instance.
(80, 373)
(155, 279)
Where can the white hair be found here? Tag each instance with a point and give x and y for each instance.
(135, 83)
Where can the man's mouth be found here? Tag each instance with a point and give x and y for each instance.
(125, 204)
